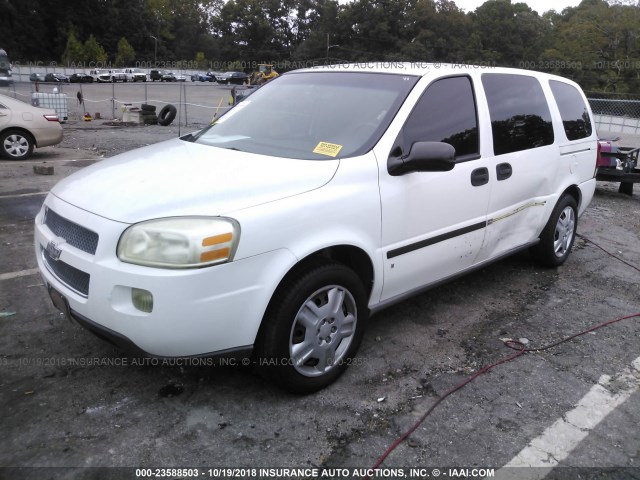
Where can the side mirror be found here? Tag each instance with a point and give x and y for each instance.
(423, 157)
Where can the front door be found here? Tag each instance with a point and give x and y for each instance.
(433, 223)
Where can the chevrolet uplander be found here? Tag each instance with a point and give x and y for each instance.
(278, 239)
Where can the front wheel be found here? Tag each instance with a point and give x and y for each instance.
(558, 235)
(313, 327)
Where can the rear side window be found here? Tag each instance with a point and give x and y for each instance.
(446, 112)
(520, 116)
(573, 110)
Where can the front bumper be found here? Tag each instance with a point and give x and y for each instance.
(125, 343)
(195, 312)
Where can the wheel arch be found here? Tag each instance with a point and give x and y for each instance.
(22, 131)
(575, 192)
(350, 256)
(353, 257)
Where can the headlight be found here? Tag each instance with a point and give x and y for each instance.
(180, 242)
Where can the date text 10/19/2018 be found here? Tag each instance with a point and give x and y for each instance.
(278, 473)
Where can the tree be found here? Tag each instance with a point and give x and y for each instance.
(93, 51)
(376, 29)
(599, 43)
(438, 31)
(315, 19)
(126, 55)
(74, 53)
(254, 30)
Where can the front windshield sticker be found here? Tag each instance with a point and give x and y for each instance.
(328, 149)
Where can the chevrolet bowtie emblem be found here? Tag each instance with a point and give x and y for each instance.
(53, 248)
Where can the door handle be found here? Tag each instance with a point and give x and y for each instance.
(480, 176)
(503, 171)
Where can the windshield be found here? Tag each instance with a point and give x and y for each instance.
(312, 115)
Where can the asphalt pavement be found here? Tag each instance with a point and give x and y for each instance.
(71, 401)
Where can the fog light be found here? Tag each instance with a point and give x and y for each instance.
(142, 300)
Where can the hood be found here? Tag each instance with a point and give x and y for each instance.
(177, 177)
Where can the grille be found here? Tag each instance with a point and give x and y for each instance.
(76, 279)
(80, 237)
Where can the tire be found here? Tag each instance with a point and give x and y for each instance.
(312, 328)
(166, 115)
(16, 144)
(145, 107)
(559, 234)
(626, 188)
(150, 119)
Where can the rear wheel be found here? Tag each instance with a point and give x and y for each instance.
(558, 235)
(16, 144)
(626, 188)
(313, 327)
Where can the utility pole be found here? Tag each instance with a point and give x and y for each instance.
(155, 51)
(328, 47)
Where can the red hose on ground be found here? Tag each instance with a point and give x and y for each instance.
(520, 350)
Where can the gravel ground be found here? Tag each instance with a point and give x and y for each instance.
(110, 138)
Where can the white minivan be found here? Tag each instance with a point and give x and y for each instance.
(274, 240)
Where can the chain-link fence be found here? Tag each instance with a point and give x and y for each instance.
(616, 114)
(197, 103)
(620, 105)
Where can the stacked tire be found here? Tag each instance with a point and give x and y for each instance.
(148, 114)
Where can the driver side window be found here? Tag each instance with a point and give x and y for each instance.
(446, 112)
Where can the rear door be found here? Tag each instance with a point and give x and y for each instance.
(524, 166)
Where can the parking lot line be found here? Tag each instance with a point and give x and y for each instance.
(21, 273)
(18, 195)
(10, 163)
(560, 439)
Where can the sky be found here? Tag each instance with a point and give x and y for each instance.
(539, 6)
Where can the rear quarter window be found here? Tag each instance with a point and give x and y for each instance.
(573, 110)
(520, 116)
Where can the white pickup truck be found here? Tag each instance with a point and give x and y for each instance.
(108, 76)
(135, 75)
